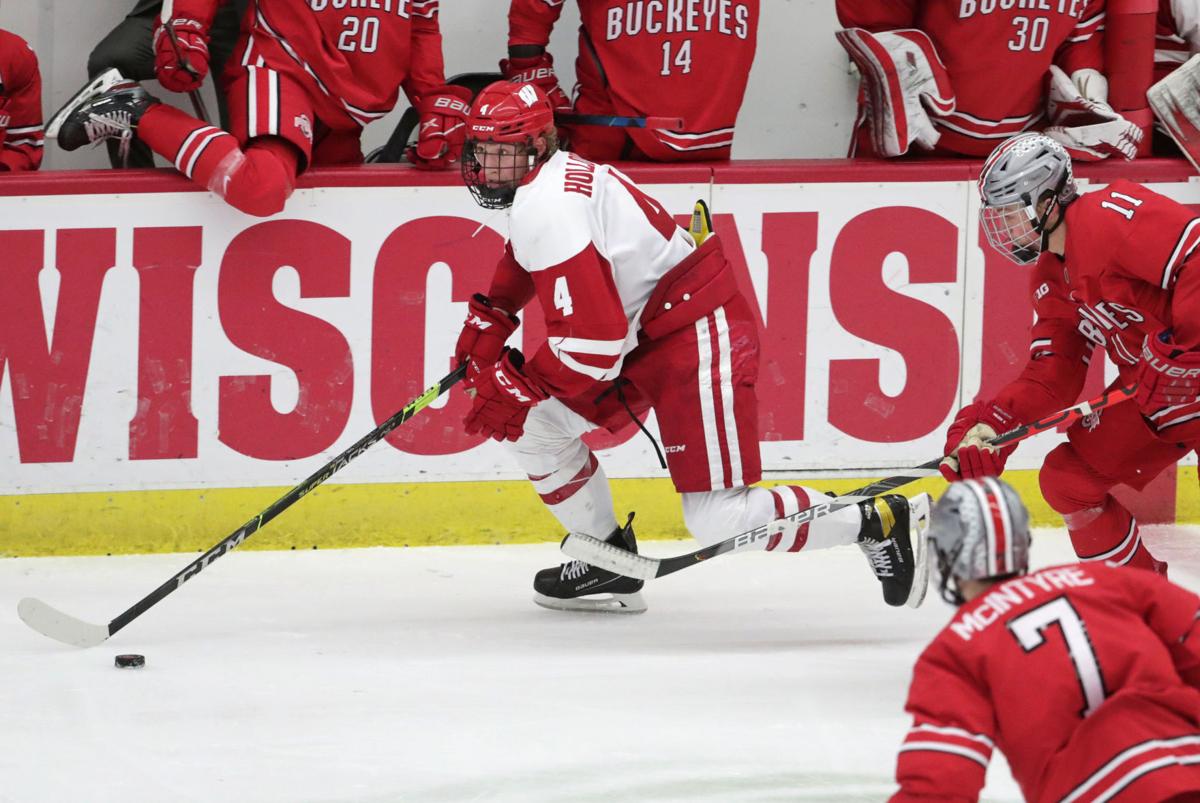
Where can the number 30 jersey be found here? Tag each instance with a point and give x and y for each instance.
(1085, 677)
(594, 246)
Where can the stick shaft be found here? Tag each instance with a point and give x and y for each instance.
(609, 557)
(281, 504)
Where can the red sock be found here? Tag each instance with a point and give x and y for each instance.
(257, 181)
(194, 146)
(1114, 537)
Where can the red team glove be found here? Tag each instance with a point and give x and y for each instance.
(538, 70)
(442, 128)
(192, 40)
(503, 396)
(484, 333)
(1167, 375)
(968, 456)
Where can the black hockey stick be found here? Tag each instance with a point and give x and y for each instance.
(606, 556)
(65, 628)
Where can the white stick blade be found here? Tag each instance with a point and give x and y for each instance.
(59, 626)
(606, 556)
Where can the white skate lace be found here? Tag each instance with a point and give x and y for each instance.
(574, 569)
(880, 558)
(119, 124)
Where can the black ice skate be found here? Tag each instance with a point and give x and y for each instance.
(893, 539)
(573, 586)
(107, 108)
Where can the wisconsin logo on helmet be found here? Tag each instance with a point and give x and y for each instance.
(527, 94)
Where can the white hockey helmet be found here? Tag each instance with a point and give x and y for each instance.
(1019, 174)
(979, 530)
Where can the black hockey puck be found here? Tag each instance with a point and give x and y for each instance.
(130, 661)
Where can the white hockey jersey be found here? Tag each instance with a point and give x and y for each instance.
(595, 246)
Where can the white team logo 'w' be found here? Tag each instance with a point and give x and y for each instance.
(527, 94)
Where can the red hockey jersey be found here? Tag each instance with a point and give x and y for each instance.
(20, 105)
(1128, 271)
(354, 55)
(997, 54)
(1085, 676)
(683, 58)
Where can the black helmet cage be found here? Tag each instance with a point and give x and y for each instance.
(500, 195)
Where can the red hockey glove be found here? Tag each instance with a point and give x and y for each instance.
(442, 128)
(503, 396)
(1167, 375)
(538, 70)
(484, 333)
(188, 47)
(968, 455)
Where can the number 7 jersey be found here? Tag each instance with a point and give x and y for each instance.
(1084, 676)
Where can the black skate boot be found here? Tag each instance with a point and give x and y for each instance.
(893, 539)
(571, 586)
(108, 108)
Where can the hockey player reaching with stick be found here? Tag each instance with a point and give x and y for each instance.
(1115, 269)
(1086, 677)
(307, 78)
(638, 316)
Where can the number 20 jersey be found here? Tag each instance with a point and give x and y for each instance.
(1084, 676)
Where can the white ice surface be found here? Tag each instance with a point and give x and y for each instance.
(428, 675)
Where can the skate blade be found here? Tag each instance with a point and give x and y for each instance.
(97, 86)
(608, 603)
(918, 524)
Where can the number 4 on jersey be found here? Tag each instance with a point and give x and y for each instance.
(562, 296)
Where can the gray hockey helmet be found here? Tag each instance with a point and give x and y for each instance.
(979, 530)
(1019, 173)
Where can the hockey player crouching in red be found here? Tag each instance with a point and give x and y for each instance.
(1116, 269)
(636, 314)
(309, 78)
(1085, 676)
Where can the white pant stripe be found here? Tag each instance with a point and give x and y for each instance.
(199, 149)
(726, 380)
(252, 104)
(708, 413)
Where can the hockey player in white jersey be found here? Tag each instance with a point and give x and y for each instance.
(638, 316)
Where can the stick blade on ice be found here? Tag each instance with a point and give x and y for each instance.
(606, 556)
(60, 626)
(1175, 101)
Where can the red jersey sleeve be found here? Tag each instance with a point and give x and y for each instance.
(530, 21)
(877, 15)
(1171, 612)
(1058, 354)
(946, 752)
(586, 327)
(20, 105)
(426, 71)
(512, 288)
(1085, 46)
